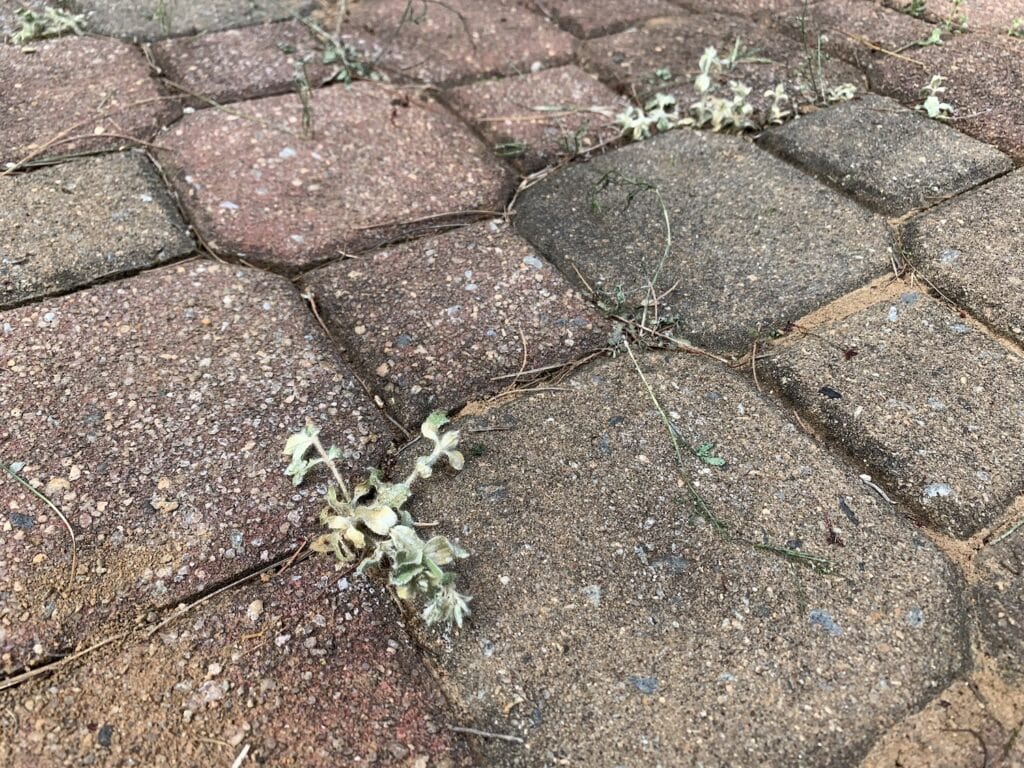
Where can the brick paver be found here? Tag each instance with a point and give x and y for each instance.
(80, 221)
(157, 19)
(537, 119)
(153, 411)
(461, 40)
(932, 406)
(74, 94)
(970, 248)
(257, 187)
(241, 63)
(613, 626)
(432, 322)
(725, 281)
(298, 672)
(984, 79)
(888, 157)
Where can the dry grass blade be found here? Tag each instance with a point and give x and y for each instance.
(56, 511)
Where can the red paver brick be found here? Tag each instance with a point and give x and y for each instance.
(314, 675)
(153, 412)
(505, 111)
(662, 55)
(86, 88)
(156, 19)
(753, 8)
(241, 63)
(985, 77)
(590, 18)
(848, 28)
(460, 40)
(431, 322)
(378, 155)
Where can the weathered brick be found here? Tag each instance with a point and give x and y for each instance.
(82, 221)
(378, 157)
(754, 242)
(74, 94)
(890, 158)
(591, 18)
(153, 412)
(577, 114)
(999, 601)
(932, 405)
(431, 323)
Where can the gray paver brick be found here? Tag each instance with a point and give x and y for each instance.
(999, 600)
(985, 77)
(430, 322)
(754, 241)
(970, 248)
(890, 158)
(933, 406)
(152, 411)
(81, 88)
(255, 187)
(632, 60)
(612, 626)
(240, 63)
(320, 677)
(461, 40)
(540, 137)
(157, 19)
(590, 18)
(66, 226)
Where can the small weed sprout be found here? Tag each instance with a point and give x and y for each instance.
(933, 105)
(658, 113)
(843, 92)
(935, 38)
(915, 8)
(370, 525)
(1016, 28)
(956, 21)
(349, 62)
(52, 22)
(778, 112)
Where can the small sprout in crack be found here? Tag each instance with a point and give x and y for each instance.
(370, 525)
(778, 111)
(706, 453)
(658, 113)
(52, 22)
(1016, 28)
(843, 92)
(933, 105)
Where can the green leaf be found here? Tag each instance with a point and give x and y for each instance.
(430, 426)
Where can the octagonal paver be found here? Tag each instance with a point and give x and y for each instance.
(971, 248)
(613, 626)
(157, 19)
(537, 119)
(460, 40)
(591, 18)
(240, 63)
(888, 157)
(985, 76)
(662, 55)
(430, 323)
(84, 220)
(754, 242)
(932, 405)
(77, 93)
(850, 28)
(153, 411)
(297, 672)
(380, 163)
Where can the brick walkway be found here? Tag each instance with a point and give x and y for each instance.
(206, 240)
